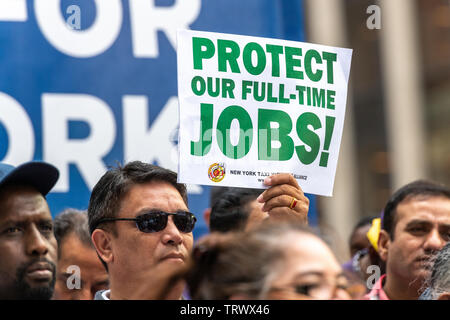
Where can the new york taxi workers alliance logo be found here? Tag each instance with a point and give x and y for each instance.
(216, 172)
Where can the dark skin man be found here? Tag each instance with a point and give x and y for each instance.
(28, 247)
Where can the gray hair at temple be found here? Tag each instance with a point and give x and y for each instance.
(72, 221)
(439, 282)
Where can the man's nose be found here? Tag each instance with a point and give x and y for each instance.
(171, 234)
(36, 243)
(434, 241)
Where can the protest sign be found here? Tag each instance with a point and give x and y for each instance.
(251, 107)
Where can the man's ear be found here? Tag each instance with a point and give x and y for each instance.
(444, 296)
(384, 240)
(102, 243)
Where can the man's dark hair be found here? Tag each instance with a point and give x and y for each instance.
(231, 211)
(115, 184)
(215, 194)
(72, 221)
(419, 188)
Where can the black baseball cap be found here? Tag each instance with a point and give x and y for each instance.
(40, 175)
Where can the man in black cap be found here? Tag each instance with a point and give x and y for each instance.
(28, 248)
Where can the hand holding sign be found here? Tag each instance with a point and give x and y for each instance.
(284, 200)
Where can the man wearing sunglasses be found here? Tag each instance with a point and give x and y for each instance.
(141, 228)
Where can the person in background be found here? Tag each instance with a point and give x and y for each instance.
(28, 248)
(372, 259)
(80, 273)
(358, 238)
(358, 242)
(243, 208)
(215, 194)
(276, 260)
(416, 224)
(237, 209)
(364, 253)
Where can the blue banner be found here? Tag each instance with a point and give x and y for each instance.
(86, 84)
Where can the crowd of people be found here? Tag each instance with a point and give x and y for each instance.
(135, 241)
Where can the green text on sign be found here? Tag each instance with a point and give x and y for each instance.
(306, 125)
(254, 58)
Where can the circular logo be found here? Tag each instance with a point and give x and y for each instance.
(216, 172)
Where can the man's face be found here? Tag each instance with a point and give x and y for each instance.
(135, 252)
(92, 275)
(422, 227)
(28, 248)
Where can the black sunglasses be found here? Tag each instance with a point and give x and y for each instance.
(156, 221)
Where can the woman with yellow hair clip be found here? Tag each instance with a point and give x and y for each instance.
(365, 266)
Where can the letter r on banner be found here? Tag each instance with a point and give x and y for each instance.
(86, 154)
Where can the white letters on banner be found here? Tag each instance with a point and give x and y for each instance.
(81, 44)
(86, 154)
(146, 20)
(13, 10)
(19, 128)
(145, 17)
(59, 109)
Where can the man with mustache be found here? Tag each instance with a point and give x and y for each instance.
(28, 247)
(416, 224)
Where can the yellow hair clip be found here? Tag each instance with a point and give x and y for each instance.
(374, 233)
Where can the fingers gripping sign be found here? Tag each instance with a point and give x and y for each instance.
(284, 199)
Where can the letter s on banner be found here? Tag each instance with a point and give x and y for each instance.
(81, 44)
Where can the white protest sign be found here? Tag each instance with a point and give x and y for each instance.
(251, 107)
